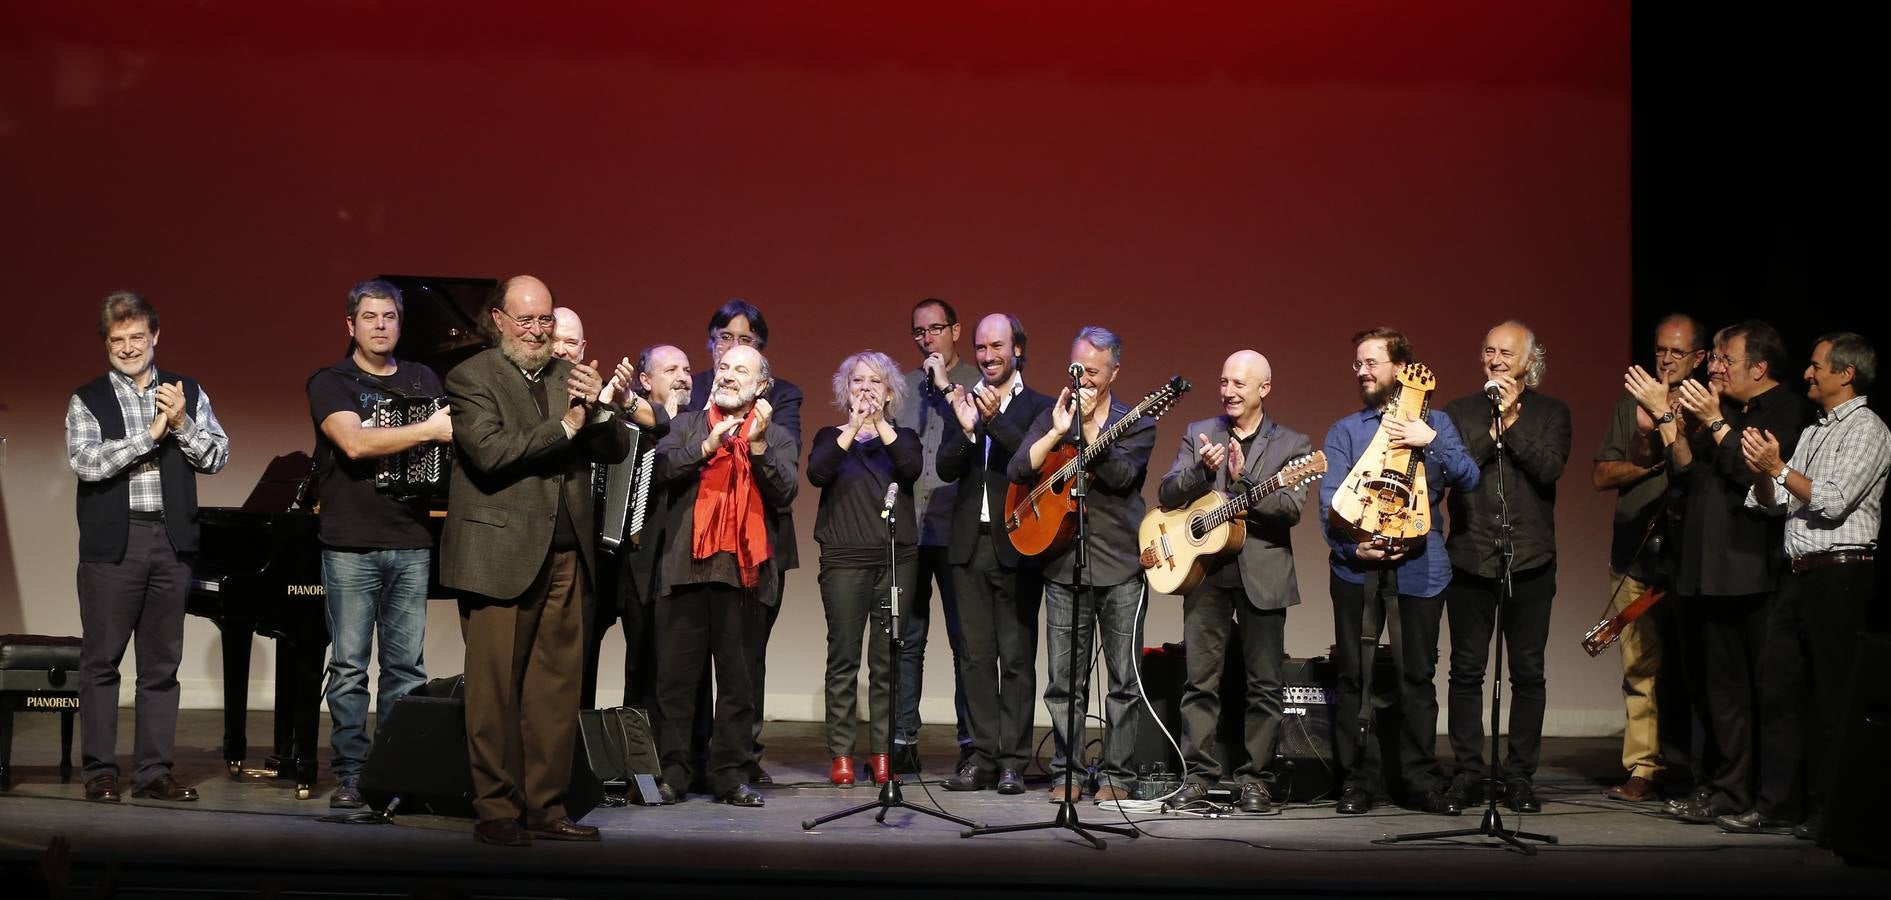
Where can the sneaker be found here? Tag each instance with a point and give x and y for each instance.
(347, 793)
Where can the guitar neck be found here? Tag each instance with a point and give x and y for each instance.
(1237, 506)
(1109, 435)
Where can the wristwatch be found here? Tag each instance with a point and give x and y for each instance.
(1665, 418)
(1715, 426)
(1780, 479)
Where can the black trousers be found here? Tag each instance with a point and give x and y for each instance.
(759, 668)
(1210, 614)
(998, 612)
(854, 599)
(1471, 604)
(1732, 632)
(141, 596)
(1419, 618)
(932, 567)
(1686, 750)
(699, 624)
(1812, 631)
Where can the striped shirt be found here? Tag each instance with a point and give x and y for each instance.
(94, 458)
(1845, 454)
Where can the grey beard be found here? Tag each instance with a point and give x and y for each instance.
(520, 354)
(744, 398)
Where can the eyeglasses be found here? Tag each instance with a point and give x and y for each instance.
(1368, 365)
(1728, 361)
(729, 337)
(934, 329)
(1671, 353)
(525, 323)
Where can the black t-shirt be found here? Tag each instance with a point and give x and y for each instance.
(354, 514)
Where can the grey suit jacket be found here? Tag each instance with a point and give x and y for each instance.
(678, 475)
(1266, 559)
(512, 463)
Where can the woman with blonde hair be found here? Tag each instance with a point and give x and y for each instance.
(853, 464)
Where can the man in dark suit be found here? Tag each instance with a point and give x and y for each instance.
(738, 323)
(726, 473)
(518, 545)
(1250, 590)
(998, 591)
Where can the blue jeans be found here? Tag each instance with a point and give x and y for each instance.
(1111, 615)
(365, 589)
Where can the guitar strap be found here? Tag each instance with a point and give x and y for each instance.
(1380, 613)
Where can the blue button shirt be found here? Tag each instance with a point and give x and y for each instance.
(1447, 465)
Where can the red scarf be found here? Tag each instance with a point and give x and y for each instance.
(729, 514)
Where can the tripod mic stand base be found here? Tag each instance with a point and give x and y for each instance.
(1066, 818)
(890, 798)
(1492, 826)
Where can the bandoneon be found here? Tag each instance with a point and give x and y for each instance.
(420, 471)
(624, 494)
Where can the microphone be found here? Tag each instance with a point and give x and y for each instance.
(892, 494)
(1494, 391)
(1076, 370)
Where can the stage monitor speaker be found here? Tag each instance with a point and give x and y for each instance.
(1304, 768)
(419, 755)
(1854, 826)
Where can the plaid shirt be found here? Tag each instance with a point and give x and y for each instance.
(1845, 454)
(94, 458)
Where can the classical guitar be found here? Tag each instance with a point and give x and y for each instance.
(1177, 543)
(1043, 517)
(1384, 498)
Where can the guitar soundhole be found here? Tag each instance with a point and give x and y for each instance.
(1195, 531)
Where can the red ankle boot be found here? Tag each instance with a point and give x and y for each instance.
(841, 773)
(882, 768)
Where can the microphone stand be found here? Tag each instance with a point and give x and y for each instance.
(1080, 562)
(1493, 822)
(890, 796)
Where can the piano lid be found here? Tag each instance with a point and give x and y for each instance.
(283, 486)
(441, 316)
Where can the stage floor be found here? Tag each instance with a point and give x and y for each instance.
(252, 838)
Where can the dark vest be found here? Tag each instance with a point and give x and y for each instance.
(105, 506)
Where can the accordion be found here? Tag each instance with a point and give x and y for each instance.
(623, 494)
(419, 471)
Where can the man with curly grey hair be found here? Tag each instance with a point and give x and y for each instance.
(1505, 523)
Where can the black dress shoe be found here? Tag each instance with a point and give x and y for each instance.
(1705, 812)
(1354, 801)
(1753, 822)
(1812, 829)
(969, 778)
(1700, 796)
(1441, 803)
(166, 788)
(1192, 792)
(906, 759)
(1468, 789)
(103, 788)
(1520, 795)
(1009, 783)
(502, 832)
(757, 775)
(743, 796)
(1253, 798)
(667, 795)
(564, 830)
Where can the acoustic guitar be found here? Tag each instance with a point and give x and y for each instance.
(1384, 498)
(1176, 544)
(1043, 518)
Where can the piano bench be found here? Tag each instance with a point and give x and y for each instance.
(38, 673)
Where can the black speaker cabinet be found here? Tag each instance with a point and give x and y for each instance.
(419, 755)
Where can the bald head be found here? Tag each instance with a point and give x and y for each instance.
(524, 300)
(568, 335)
(1246, 380)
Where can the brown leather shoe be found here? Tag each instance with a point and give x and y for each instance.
(1110, 792)
(564, 830)
(1058, 794)
(103, 788)
(503, 832)
(165, 788)
(1635, 790)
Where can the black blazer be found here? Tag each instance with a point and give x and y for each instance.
(960, 460)
(678, 474)
(785, 399)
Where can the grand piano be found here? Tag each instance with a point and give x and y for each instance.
(258, 570)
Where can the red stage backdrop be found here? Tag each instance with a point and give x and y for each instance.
(1198, 177)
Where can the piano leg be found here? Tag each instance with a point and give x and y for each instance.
(237, 640)
(312, 660)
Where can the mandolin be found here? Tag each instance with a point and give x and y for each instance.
(1176, 544)
(1384, 498)
(1043, 518)
(1609, 630)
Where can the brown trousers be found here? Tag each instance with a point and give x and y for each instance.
(524, 666)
